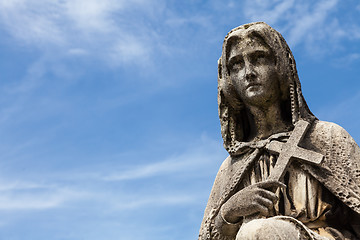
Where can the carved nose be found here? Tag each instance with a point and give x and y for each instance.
(250, 76)
(249, 73)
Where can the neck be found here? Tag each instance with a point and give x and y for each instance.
(266, 121)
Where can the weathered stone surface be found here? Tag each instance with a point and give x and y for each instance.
(288, 175)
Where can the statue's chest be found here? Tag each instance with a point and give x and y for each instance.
(304, 198)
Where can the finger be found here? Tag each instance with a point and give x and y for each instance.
(264, 211)
(265, 202)
(268, 195)
(271, 184)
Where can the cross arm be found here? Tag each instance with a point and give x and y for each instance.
(297, 152)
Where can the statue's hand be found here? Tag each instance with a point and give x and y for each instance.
(257, 198)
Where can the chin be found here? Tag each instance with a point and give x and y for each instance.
(258, 98)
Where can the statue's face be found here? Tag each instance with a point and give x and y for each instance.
(252, 69)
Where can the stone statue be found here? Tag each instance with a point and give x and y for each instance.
(288, 175)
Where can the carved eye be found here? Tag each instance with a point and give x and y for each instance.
(236, 66)
(260, 57)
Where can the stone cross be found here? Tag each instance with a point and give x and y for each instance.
(290, 150)
(287, 151)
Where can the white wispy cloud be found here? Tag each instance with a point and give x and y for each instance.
(309, 23)
(22, 195)
(92, 15)
(95, 185)
(14, 95)
(32, 22)
(80, 26)
(207, 153)
(308, 20)
(19, 195)
(34, 202)
(32, 79)
(19, 185)
(177, 21)
(268, 11)
(142, 200)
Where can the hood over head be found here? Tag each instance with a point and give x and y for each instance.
(234, 121)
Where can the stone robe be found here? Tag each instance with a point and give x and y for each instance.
(322, 201)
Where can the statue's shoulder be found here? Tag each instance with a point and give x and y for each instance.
(227, 168)
(230, 166)
(328, 135)
(226, 164)
(319, 124)
(328, 129)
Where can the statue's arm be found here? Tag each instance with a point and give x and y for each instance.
(345, 141)
(217, 226)
(223, 218)
(355, 216)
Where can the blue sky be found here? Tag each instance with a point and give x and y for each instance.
(108, 111)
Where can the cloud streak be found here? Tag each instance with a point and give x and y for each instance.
(20, 195)
(61, 189)
(208, 153)
(79, 26)
(307, 23)
(144, 200)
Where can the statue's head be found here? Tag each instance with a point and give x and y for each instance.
(256, 53)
